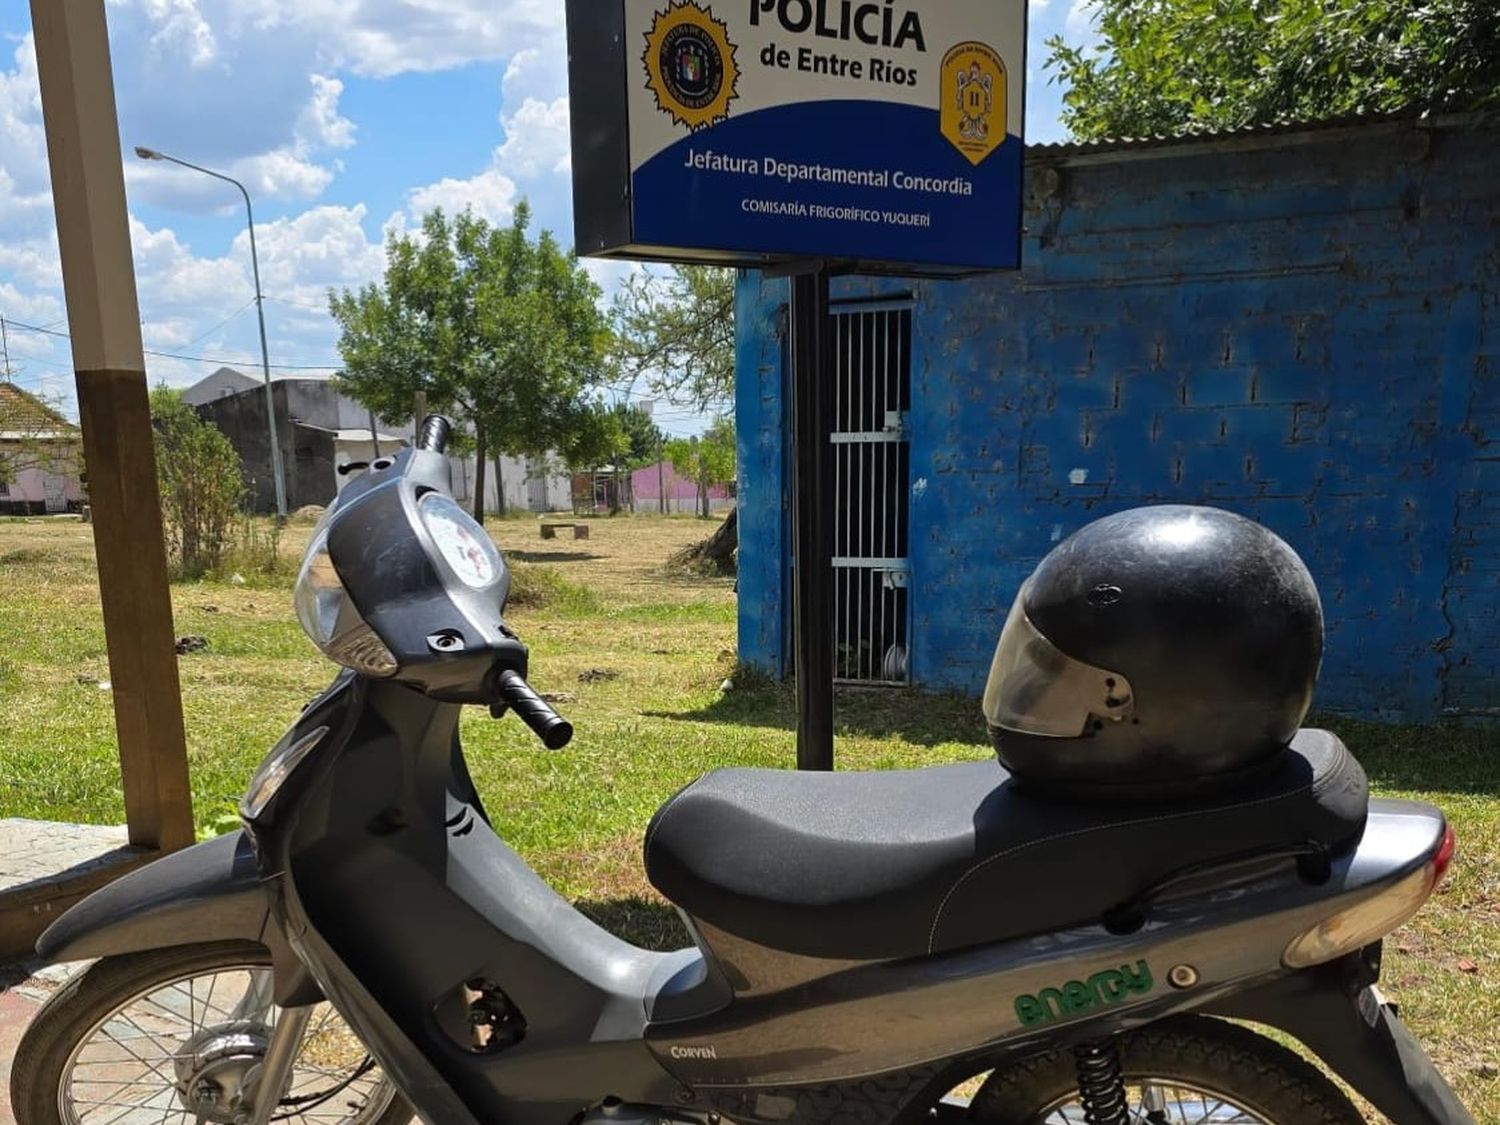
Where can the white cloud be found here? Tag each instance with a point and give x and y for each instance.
(380, 38)
(491, 195)
(23, 144)
(538, 72)
(536, 139)
(295, 169)
(179, 28)
(320, 125)
(303, 256)
(29, 305)
(1080, 21)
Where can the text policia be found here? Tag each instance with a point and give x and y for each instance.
(873, 24)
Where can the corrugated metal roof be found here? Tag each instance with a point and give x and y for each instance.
(1255, 132)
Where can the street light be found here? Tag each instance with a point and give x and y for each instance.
(277, 474)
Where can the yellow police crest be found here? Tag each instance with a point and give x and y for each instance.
(690, 65)
(974, 111)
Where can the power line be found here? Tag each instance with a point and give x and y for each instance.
(220, 360)
(221, 324)
(298, 304)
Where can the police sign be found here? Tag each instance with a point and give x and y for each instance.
(884, 133)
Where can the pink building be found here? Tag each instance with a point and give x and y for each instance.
(41, 456)
(651, 483)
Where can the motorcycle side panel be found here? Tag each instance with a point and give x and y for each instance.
(790, 1024)
(208, 893)
(1336, 1012)
(399, 896)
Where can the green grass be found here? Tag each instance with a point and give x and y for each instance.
(643, 653)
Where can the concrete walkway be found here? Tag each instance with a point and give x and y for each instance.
(33, 852)
(23, 989)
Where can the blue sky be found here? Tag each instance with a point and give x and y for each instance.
(346, 119)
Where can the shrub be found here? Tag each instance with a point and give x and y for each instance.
(198, 473)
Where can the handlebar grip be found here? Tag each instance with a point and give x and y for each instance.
(434, 435)
(554, 730)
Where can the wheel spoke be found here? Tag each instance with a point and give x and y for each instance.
(1168, 1102)
(181, 1031)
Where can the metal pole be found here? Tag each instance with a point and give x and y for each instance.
(278, 471)
(93, 235)
(812, 380)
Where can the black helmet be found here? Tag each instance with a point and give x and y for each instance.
(1157, 652)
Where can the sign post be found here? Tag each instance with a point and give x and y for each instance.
(806, 137)
(812, 543)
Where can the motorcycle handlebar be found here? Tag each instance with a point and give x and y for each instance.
(434, 435)
(554, 731)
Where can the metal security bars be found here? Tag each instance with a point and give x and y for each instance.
(872, 495)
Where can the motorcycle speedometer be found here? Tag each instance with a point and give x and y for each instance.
(460, 541)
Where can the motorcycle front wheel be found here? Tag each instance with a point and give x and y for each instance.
(1184, 1071)
(170, 1036)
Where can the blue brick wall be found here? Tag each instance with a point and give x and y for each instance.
(1304, 329)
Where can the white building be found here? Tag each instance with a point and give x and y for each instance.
(324, 430)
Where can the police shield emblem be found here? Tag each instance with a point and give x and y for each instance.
(974, 109)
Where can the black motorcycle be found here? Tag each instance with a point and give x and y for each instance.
(869, 948)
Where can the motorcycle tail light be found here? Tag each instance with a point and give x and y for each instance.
(1364, 922)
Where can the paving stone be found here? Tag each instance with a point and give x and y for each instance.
(32, 850)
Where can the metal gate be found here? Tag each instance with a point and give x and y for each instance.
(872, 493)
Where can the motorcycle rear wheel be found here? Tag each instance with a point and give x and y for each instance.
(1191, 1070)
(123, 1039)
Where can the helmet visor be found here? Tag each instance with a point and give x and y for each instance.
(1036, 688)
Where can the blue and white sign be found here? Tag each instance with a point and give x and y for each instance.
(876, 131)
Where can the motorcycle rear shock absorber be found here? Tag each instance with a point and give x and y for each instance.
(1101, 1083)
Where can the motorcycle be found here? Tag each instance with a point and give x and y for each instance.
(868, 948)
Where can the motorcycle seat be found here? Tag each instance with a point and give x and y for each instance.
(903, 863)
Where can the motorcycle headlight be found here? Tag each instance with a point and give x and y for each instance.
(330, 620)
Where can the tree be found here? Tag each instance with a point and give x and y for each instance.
(675, 331)
(599, 439)
(1168, 67)
(502, 330)
(707, 460)
(198, 473)
(643, 439)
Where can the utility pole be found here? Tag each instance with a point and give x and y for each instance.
(278, 470)
(5, 348)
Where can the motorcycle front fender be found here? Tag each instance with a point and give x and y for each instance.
(208, 893)
(1336, 1012)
